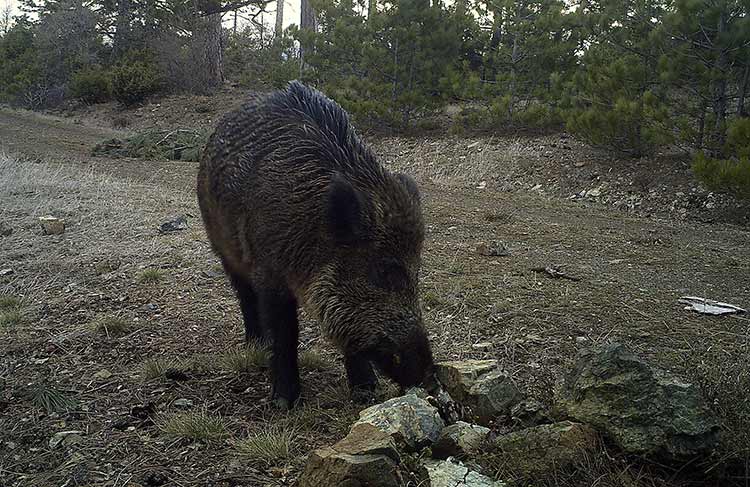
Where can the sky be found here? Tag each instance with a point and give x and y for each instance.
(291, 11)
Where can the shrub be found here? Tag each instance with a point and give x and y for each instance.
(133, 81)
(724, 175)
(92, 85)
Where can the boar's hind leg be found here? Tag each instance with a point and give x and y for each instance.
(249, 306)
(278, 315)
(362, 380)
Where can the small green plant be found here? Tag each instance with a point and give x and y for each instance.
(92, 85)
(111, 326)
(270, 445)
(150, 275)
(250, 357)
(195, 426)
(10, 311)
(51, 400)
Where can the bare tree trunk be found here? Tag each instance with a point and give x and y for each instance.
(207, 51)
(279, 18)
(372, 9)
(308, 21)
(743, 91)
(122, 40)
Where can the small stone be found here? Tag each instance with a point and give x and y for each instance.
(482, 346)
(493, 249)
(444, 473)
(581, 340)
(174, 225)
(51, 225)
(642, 409)
(595, 192)
(480, 387)
(459, 440)
(327, 467)
(5, 230)
(6, 272)
(103, 374)
(408, 419)
(65, 438)
(534, 452)
(182, 403)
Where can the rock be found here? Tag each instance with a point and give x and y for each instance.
(182, 403)
(538, 451)
(366, 439)
(5, 230)
(459, 440)
(51, 225)
(6, 272)
(174, 225)
(482, 346)
(480, 387)
(408, 419)
(642, 409)
(65, 438)
(327, 467)
(530, 412)
(444, 473)
(493, 249)
(103, 374)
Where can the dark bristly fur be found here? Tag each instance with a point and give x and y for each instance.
(301, 213)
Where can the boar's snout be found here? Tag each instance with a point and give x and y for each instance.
(407, 360)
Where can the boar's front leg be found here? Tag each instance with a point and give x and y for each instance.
(362, 379)
(278, 315)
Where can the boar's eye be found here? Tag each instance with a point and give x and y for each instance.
(388, 274)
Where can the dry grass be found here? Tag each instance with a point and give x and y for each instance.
(247, 358)
(313, 360)
(271, 444)
(111, 326)
(10, 311)
(195, 426)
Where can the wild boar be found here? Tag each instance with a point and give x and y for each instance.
(301, 213)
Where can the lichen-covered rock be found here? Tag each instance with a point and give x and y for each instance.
(366, 439)
(459, 440)
(51, 225)
(444, 473)
(409, 419)
(480, 387)
(640, 408)
(327, 467)
(535, 452)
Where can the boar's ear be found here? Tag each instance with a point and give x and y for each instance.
(345, 211)
(410, 184)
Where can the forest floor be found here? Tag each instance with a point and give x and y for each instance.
(131, 334)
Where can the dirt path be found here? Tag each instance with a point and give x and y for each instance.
(631, 269)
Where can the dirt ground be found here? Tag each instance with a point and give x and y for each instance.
(168, 306)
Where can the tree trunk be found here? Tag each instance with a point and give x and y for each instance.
(372, 8)
(207, 52)
(122, 40)
(743, 91)
(279, 18)
(719, 89)
(308, 21)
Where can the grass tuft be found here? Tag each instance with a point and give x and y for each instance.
(312, 360)
(51, 400)
(269, 445)
(248, 358)
(150, 275)
(157, 368)
(111, 326)
(10, 311)
(9, 303)
(195, 426)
